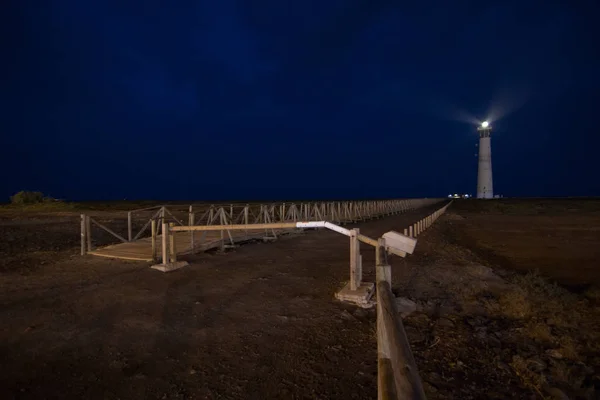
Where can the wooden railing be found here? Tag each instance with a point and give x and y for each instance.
(340, 212)
(397, 373)
(398, 376)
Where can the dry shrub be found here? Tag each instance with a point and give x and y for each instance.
(568, 348)
(550, 300)
(529, 378)
(539, 332)
(569, 375)
(560, 372)
(27, 197)
(593, 293)
(536, 285)
(514, 304)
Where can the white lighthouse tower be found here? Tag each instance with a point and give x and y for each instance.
(485, 185)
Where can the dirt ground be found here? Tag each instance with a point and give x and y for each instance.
(560, 238)
(261, 322)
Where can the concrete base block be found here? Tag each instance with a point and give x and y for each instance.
(170, 266)
(361, 296)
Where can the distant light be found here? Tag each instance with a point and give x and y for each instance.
(485, 124)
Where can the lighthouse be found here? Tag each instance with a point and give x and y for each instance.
(485, 185)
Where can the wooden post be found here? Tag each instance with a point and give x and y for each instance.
(153, 231)
(405, 232)
(165, 243)
(172, 243)
(88, 232)
(395, 358)
(246, 222)
(410, 231)
(222, 245)
(162, 218)
(358, 273)
(129, 227)
(192, 222)
(383, 270)
(83, 235)
(355, 268)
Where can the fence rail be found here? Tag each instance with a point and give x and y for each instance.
(338, 212)
(397, 373)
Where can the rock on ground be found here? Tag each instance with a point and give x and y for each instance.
(405, 306)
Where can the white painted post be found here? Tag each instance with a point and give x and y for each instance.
(153, 231)
(192, 233)
(83, 235)
(88, 233)
(358, 273)
(383, 270)
(246, 222)
(165, 243)
(129, 227)
(355, 272)
(172, 248)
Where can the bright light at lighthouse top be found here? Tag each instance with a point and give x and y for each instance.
(485, 129)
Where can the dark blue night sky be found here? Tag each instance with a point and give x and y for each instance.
(311, 99)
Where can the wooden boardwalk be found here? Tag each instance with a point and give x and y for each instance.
(141, 250)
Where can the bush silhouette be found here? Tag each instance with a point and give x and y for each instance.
(27, 197)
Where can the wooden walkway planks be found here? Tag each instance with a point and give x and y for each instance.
(141, 250)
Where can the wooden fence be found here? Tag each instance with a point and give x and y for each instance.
(398, 376)
(397, 373)
(339, 212)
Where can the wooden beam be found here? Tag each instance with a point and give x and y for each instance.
(129, 227)
(355, 270)
(154, 249)
(165, 245)
(121, 238)
(83, 235)
(367, 240)
(172, 249)
(88, 233)
(277, 225)
(393, 345)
